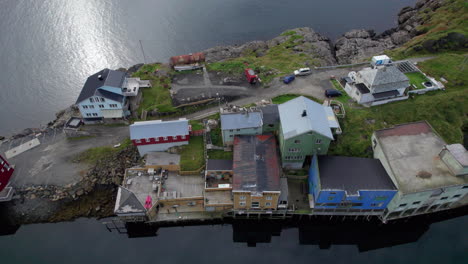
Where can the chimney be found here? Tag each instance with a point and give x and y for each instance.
(100, 77)
(304, 113)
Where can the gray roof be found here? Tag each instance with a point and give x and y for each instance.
(219, 165)
(158, 128)
(383, 75)
(93, 83)
(459, 153)
(270, 114)
(256, 164)
(294, 124)
(241, 120)
(353, 174)
(127, 202)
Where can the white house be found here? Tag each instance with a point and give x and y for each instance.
(430, 176)
(376, 84)
(157, 135)
(102, 97)
(131, 86)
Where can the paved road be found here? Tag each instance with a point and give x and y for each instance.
(50, 163)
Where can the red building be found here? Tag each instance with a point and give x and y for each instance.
(6, 170)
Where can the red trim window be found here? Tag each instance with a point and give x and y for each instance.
(137, 141)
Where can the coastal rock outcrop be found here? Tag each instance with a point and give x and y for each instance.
(310, 42)
(360, 44)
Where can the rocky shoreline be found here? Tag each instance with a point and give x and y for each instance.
(353, 47)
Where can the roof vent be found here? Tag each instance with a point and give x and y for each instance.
(99, 77)
(304, 113)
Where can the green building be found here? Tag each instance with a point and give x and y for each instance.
(304, 131)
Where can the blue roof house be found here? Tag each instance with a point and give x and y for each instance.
(102, 97)
(349, 186)
(240, 123)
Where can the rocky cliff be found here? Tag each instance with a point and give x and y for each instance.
(358, 45)
(310, 42)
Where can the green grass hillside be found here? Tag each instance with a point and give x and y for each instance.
(445, 29)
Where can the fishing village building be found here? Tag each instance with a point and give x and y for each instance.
(349, 186)
(6, 171)
(429, 174)
(159, 135)
(240, 121)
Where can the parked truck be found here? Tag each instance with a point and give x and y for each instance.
(252, 78)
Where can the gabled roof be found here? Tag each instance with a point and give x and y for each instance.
(256, 164)
(158, 128)
(293, 123)
(127, 202)
(352, 174)
(93, 83)
(383, 75)
(241, 120)
(459, 153)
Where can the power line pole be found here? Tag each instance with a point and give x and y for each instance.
(142, 51)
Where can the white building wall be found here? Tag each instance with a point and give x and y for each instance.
(144, 149)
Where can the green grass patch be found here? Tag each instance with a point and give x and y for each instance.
(417, 79)
(220, 154)
(277, 61)
(216, 137)
(191, 155)
(451, 67)
(157, 97)
(196, 125)
(93, 155)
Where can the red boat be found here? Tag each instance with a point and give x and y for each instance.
(6, 171)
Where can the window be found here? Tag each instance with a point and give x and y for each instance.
(267, 204)
(174, 138)
(91, 106)
(269, 198)
(242, 203)
(318, 141)
(102, 99)
(165, 138)
(113, 105)
(101, 106)
(465, 187)
(402, 205)
(380, 198)
(91, 100)
(137, 141)
(297, 141)
(95, 114)
(418, 202)
(357, 93)
(456, 196)
(88, 114)
(255, 204)
(237, 130)
(231, 130)
(271, 125)
(331, 198)
(294, 150)
(231, 136)
(444, 198)
(183, 137)
(242, 197)
(437, 192)
(85, 107)
(377, 204)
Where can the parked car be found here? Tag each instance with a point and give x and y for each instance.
(332, 93)
(251, 76)
(302, 72)
(288, 79)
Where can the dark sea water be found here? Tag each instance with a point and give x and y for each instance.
(49, 47)
(87, 241)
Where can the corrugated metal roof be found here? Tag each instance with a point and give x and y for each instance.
(219, 165)
(353, 174)
(459, 153)
(158, 128)
(256, 164)
(293, 123)
(241, 120)
(108, 78)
